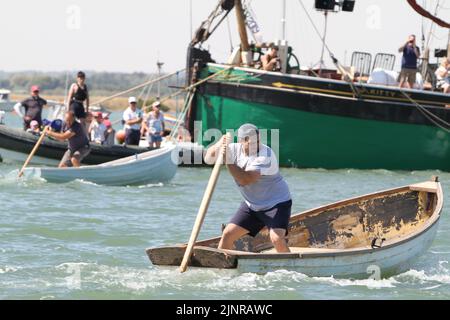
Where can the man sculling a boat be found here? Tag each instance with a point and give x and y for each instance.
(78, 142)
(267, 200)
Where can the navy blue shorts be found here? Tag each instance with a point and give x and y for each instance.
(132, 137)
(254, 221)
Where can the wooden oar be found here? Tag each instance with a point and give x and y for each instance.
(38, 143)
(202, 210)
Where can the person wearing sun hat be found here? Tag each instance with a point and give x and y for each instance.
(110, 133)
(33, 108)
(97, 129)
(132, 118)
(154, 126)
(267, 200)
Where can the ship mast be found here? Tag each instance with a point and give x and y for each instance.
(245, 47)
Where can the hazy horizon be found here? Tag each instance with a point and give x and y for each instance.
(127, 37)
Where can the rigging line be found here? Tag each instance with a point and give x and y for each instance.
(355, 90)
(432, 24)
(186, 108)
(135, 88)
(144, 88)
(439, 38)
(229, 34)
(428, 114)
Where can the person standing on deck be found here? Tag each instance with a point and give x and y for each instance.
(33, 108)
(132, 118)
(154, 126)
(411, 53)
(78, 97)
(78, 142)
(267, 200)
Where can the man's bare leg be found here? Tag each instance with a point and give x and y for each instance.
(278, 238)
(231, 234)
(75, 162)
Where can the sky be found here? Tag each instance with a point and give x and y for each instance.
(130, 36)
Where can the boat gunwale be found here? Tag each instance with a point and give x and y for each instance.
(145, 156)
(325, 80)
(373, 99)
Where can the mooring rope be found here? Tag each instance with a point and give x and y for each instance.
(188, 89)
(428, 114)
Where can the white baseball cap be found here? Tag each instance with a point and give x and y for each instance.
(132, 99)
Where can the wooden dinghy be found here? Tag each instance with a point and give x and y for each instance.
(150, 167)
(376, 233)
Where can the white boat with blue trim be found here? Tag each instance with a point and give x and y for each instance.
(154, 166)
(379, 233)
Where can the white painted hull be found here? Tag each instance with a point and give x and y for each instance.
(385, 261)
(149, 167)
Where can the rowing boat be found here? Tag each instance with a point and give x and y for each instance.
(154, 166)
(378, 233)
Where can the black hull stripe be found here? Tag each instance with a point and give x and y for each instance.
(324, 104)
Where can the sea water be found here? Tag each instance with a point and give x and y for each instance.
(84, 241)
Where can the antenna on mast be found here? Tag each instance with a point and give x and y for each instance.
(159, 64)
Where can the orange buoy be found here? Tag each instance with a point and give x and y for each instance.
(120, 136)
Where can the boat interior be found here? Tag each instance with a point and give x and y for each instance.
(361, 223)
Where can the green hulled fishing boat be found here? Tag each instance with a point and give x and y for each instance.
(323, 121)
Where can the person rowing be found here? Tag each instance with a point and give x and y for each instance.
(267, 199)
(78, 142)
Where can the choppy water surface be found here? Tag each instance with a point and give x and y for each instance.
(80, 240)
(83, 241)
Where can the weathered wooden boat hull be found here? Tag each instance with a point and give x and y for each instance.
(151, 167)
(16, 145)
(383, 263)
(335, 240)
(323, 117)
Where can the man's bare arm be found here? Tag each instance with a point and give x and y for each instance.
(242, 177)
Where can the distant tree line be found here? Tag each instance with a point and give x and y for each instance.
(100, 83)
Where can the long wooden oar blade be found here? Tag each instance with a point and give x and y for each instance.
(38, 143)
(202, 212)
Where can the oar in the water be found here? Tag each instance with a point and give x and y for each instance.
(38, 143)
(203, 209)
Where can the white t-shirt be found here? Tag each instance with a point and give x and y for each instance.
(98, 132)
(131, 115)
(270, 189)
(438, 72)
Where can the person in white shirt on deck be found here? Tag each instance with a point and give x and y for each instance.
(132, 118)
(97, 129)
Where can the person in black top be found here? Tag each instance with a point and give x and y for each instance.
(33, 108)
(78, 142)
(78, 96)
